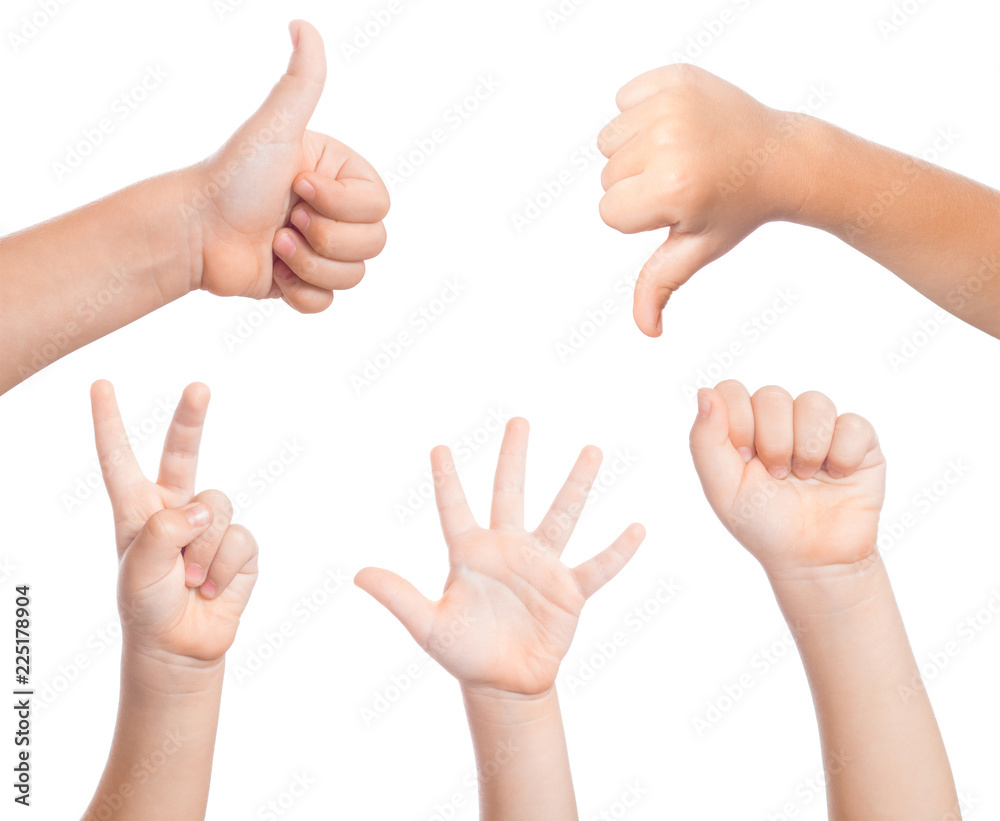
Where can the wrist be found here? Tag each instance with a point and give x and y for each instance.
(189, 202)
(163, 672)
(829, 590)
(504, 708)
(790, 187)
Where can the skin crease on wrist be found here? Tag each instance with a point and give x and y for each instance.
(683, 133)
(176, 629)
(504, 623)
(814, 532)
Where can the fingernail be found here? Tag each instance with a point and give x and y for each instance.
(194, 574)
(304, 189)
(778, 471)
(208, 589)
(283, 245)
(746, 453)
(704, 405)
(198, 515)
(293, 30)
(300, 219)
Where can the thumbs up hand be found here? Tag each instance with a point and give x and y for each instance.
(280, 210)
(693, 153)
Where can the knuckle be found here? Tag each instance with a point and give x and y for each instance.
(772, 392)
(158, 525)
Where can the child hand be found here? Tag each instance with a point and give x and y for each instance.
(678, 156)
(282, 211)
(185, 573)
(510, 606)
(797, 485)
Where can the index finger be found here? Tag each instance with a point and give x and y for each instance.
(644, 86)
(558, 524)
(456, 516)
(344, 187)
(118, 462)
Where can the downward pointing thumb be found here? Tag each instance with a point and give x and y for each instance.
(670, 266)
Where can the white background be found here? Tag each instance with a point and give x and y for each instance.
(334, 507)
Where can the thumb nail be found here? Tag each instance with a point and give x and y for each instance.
(704, 405)
(198, 515)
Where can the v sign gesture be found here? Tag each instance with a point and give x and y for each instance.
(505, 621)
(184, 577)
(186, 573)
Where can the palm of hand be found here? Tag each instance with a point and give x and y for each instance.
(241, 217)
(812, 522)
(510, 606)
(508, 612)
(169, 616)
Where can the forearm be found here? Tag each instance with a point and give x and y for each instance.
(936, 230)
(521, 757)
(73, 279)
(882, 750)
(161, 756)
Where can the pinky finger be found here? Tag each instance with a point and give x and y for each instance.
(594, 573)
(237, 556)
(853, 439)
(299, 294)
